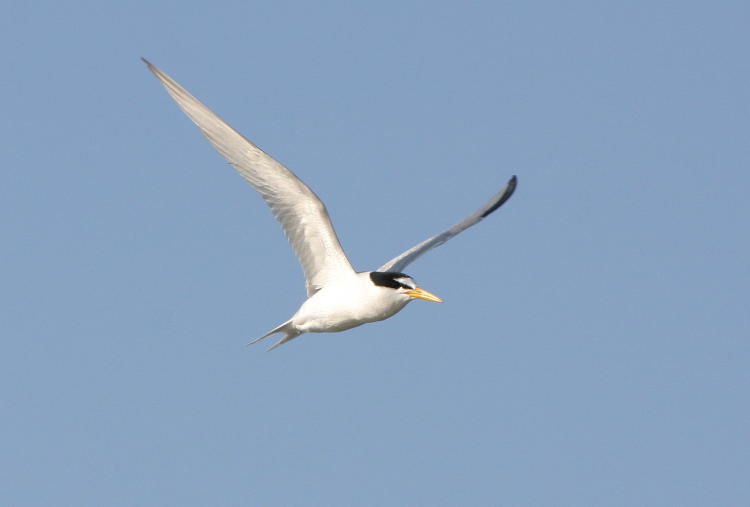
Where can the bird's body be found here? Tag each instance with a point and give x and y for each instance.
(339, 298)
(347, 303)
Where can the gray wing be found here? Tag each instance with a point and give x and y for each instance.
(406, 258)
(301, 213)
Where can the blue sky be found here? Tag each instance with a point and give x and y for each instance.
(593, 347)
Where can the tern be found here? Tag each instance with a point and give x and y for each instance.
(338, 297)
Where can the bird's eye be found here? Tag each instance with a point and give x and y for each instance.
(405, 283)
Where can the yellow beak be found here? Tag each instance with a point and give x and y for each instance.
(423, 294)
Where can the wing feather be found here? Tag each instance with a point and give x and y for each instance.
(409, 256)
(302, 215)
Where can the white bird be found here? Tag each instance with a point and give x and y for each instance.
(339, 298)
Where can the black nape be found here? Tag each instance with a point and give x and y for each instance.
(389, 279)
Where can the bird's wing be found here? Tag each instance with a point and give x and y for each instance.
(302, 215)
(406, 258)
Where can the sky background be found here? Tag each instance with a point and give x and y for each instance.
(593, 348)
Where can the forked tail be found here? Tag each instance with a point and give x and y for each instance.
(289, 334)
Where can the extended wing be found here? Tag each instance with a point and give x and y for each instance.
(302, 214)
(406, 258)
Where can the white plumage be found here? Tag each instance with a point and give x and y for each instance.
(339, 298)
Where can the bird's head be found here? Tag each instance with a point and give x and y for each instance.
(402, 284)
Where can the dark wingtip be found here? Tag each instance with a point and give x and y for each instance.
(509, 189)
(148, 64)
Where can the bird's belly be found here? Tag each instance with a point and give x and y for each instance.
(329, 313)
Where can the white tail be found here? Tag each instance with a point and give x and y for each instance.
(289, 334)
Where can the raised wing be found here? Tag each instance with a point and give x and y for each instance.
(406, 258)
(302, 215)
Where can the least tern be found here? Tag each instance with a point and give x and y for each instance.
(338, 297)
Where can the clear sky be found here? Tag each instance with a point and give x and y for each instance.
(593, 348)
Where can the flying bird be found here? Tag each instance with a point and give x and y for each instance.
(338, 297)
